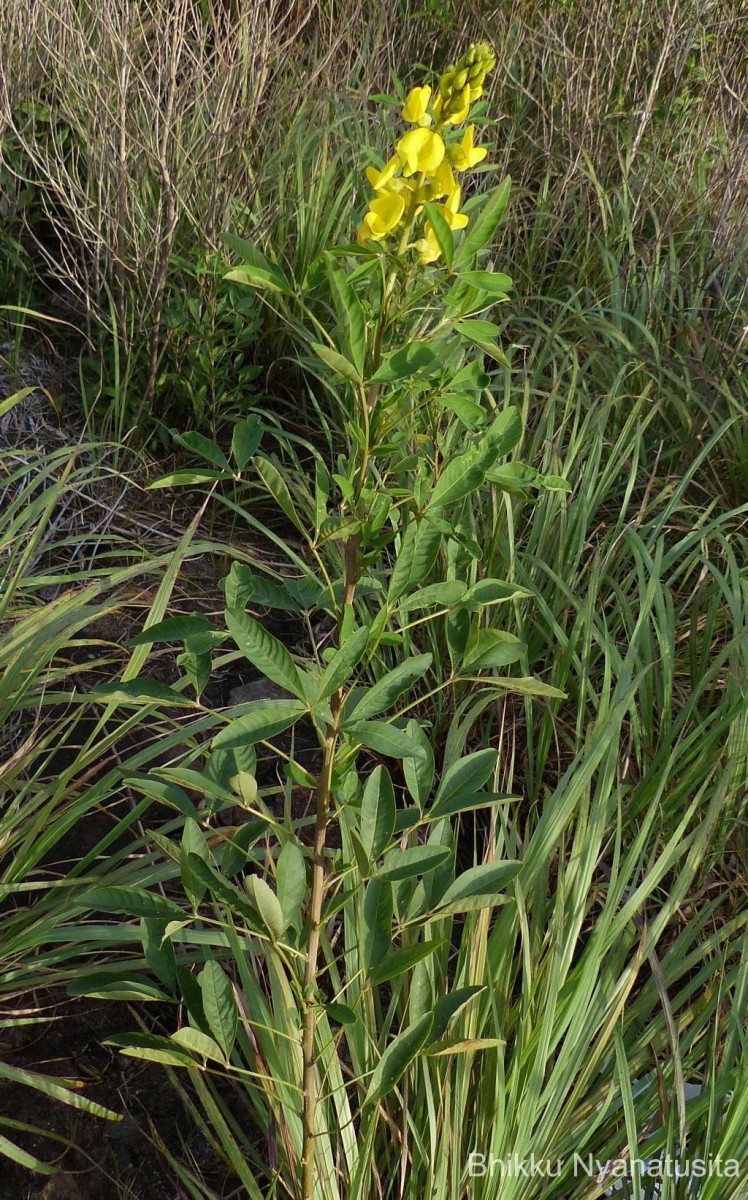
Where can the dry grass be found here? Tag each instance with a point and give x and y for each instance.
(145, 126)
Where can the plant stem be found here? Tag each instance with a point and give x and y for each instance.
(316, 902)
(309, 1081)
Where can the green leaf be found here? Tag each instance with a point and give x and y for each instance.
(133, 901)
(376, 923)
(199, 444)
(290, 881)
(436, 595)
(467, 802)
(264, 651)
(185, 479)
(470, 413)
(267, 905)
(468, 774)
(360, 855)
(242, 585)
(517, 477)
(483, 334)
(253, 257)
(482, 230)
(415, 358)
(493, 591)
(492, 648)
(193, 843)
(419, 772)
(526, 686)
(7, 1148)
(219, 1005)
(417, 860)
(245, 440)
(492, 282)
(221, 889)
(384, 739)
(174, 629)
(140, 691)
(460, 477)
(505, 432)
(468, 471)
(349, 312)
(377, 813)
(471, 377)
(344, 662)
(278, 488)
(465, 1046)
(103, 986)
(198, 669)
(257, 277)
(400, 961)
(341, 1013)
(383, 694)
(397, 1058)
(57, 1089)
(336, 362)
(448, 1007)
(152, 1048)
(442, 232)
(419, 547)
(158, 949)
(263, 720)
(479, 887)
(198, 1043)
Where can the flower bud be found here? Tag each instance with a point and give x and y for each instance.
(445, 84)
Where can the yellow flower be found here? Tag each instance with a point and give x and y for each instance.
(442, 182)
(465, 155)
(428, 248)
(420, 150)
(380, 179)
(384, 214)
(416, 105)
(459, 106)
(451, 210)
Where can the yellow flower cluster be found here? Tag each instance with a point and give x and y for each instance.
(423, 165)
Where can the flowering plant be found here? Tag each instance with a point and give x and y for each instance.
(353, 930)
(422, 169)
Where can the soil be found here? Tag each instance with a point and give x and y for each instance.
(98, 1159)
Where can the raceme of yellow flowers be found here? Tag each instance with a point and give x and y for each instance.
(425, 160)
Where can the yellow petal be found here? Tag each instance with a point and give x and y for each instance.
(459, 106)
(385, 211)
(454, 218)
(420, 150)
(442, 181)
(465, 155)
(380, 179)
(428, 248)
(416, 104)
